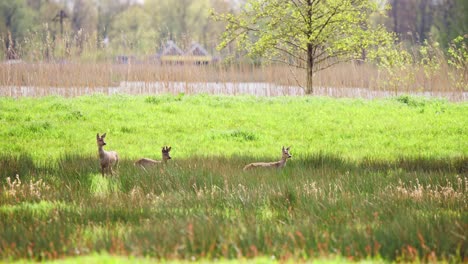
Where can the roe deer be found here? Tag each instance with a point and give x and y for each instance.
(278, 164)
(144, 162)
(107, 158)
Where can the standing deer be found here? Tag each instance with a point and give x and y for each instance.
(145, 162)
(107, 158)
(278, 164)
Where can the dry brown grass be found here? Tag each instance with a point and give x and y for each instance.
(78, 75)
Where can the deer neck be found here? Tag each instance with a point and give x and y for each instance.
(102, 152)
(282, 162)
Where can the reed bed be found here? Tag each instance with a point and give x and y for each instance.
(362, 80)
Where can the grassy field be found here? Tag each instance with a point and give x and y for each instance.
(382, 180)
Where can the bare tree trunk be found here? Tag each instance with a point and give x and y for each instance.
(422, 26)
(395, 16)
(310, 69)
(310, 52)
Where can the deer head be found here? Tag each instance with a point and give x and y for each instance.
(165, 153)
(286, 154)
(100, 140)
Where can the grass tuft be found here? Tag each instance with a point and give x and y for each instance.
(368, 180)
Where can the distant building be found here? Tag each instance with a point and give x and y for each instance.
(198, 54)
(125, 59)
(172, 54)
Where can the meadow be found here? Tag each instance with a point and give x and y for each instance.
(382, 180)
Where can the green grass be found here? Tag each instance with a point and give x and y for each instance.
(106, 258)
(48, 128)
(380, 180)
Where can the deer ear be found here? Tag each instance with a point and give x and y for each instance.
(169, 149)
(103, 135)
(97, 135)
(288, 148)
(283, 148)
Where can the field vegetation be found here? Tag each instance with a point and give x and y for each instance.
(344, 80)
(369, 179)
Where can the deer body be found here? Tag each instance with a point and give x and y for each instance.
(278, 164)
(145, 162)
(107, 159)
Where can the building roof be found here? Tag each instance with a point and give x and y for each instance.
(196, 50)
(171, 49)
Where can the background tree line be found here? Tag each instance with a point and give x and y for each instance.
(418, 20)
(136, 26)
(123, 25)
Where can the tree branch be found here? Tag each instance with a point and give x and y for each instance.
(300, 11)
(295, 45)
(326, 22)
(331, 64)
(289, 64)
(290, 54)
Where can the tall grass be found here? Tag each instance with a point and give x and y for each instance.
(382, 179)
(207, 208)
(84, 75)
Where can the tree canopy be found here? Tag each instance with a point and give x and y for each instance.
(308, 34)
(277, 29)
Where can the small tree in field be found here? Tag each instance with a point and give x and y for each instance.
(308, 34)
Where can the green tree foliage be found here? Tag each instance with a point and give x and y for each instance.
(48, 14)
(185, 20)
(451, 21)
(347, 31)
(132, 30)
(309, 34)
(439, 20)
(83, 16)
(15, 19)
(83, 21)
(458, 58)
(131, 26)
(107, 11)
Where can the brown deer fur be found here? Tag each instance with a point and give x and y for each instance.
(107, 158)
(145, 162)
(278, 164)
